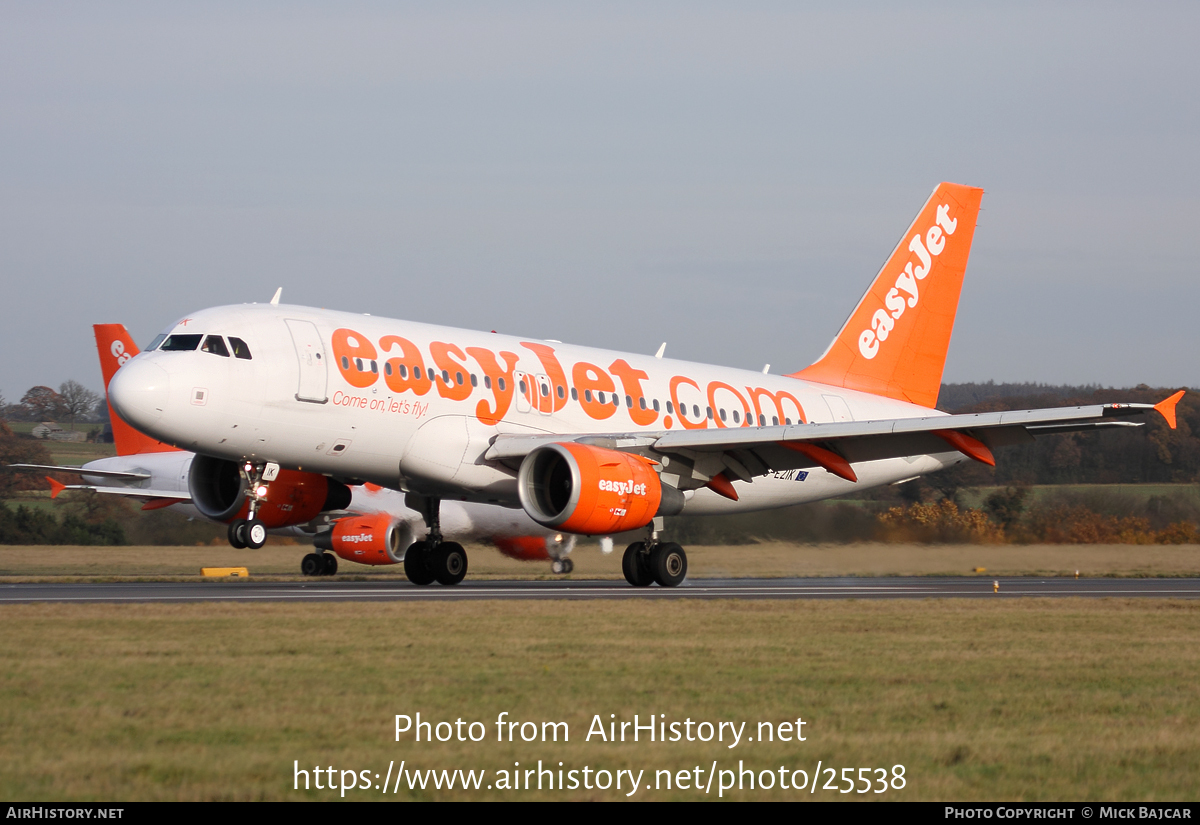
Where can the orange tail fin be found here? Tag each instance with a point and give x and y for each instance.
(116, 346)
(894, 343)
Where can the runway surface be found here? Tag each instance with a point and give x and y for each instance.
(914, 587)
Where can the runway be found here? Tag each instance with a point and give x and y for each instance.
(914, 587)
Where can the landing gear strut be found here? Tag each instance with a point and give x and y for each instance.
(433, 559)
(251, 532)
(646, 562)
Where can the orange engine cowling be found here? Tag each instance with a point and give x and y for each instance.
(374, 539)
(218, 491)
(523, 548)
(578, 488)
(534, 548)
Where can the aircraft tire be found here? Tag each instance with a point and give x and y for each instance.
(668, 564)
(556, 567)
(236, 537)
(312, 565)
(255, 534)
(415, 567)
(328, 564)
(448, 563)
(567, 566)
(634, 567)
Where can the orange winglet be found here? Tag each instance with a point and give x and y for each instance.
(56, 487)
(722, 487)
(828, 459)
(968, 446)
(158, 503)
(1167, 408)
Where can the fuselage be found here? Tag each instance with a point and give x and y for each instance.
(414, 407)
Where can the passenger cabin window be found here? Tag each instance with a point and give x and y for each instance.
(216, 345)
(158, 340)
(240, 350)
(181, 343)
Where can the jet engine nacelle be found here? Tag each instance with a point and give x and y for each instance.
(534, 548)
(578, 488)
(374, 539)
(219, 492)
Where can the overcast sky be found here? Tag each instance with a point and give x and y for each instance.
(727, 177)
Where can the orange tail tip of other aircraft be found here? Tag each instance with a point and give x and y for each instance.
(116, 346)
(583, 440)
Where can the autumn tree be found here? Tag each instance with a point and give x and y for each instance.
(42, 404)
(14, 450)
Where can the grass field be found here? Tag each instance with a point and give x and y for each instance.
(767, 559)
(978, 700)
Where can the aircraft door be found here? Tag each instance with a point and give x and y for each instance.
(310, 352)
(523, 391)
(545, 400)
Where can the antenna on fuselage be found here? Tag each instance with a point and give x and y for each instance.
(661, 350)
(275, 300)
(766, 369)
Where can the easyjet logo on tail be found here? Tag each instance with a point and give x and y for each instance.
(906, 294)
(118, 351)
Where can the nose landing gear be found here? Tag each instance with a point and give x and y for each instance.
(251, 532)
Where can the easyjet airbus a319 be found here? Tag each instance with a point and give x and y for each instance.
(276, 399)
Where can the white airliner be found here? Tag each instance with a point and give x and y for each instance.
(275, 400)
(159, 474)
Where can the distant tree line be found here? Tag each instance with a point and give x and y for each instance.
(1151, 454)
(71, 403)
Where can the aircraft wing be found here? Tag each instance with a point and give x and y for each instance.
(116, 475)
(155, 499)
(745, 452)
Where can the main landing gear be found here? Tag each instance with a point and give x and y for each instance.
(646, 562)
(433, 559)
(319, 564)
(561, 567)
(251, 532)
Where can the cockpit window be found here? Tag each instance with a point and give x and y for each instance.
(240, 350)
(181, 343)
(158, 340)
(216, 345)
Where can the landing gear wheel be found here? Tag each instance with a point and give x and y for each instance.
(448, 562)
(312, 565)
(668, 564)
(567, 566)
(255, 534)
(415, 567)
(633, 565)
(556, 567)
(237, 538)
(328, 564)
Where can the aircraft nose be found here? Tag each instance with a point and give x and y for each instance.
(139, 391)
